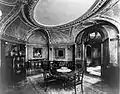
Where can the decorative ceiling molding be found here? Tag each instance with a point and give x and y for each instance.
(38, 38)
(6, 10)
(53, 13)
(95, 8)
(109, 6)
(60, 37)
(7, 20)
(18, 28)
(101, 20)
(8, 3)
(25, 17)
(108, 19)
(80, 37)
(98, 16)
(58, 34)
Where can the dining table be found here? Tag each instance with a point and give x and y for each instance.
(64, 70)
(63, 75)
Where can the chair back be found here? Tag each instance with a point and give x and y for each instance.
(71, 65)
(45, 65)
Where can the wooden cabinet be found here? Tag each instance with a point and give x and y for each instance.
(14, 68)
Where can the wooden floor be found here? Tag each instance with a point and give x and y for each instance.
(35, 85)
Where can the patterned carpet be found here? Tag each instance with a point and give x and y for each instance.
(35, 85)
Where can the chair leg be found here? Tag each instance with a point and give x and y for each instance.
(82, 88)
(45, 84)
(75, 88)
(45, 89)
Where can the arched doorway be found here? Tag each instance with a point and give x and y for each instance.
(97, 45)
(98, 49)
(90, 49)
(92, 41)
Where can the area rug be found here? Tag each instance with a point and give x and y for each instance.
(35, 85)
(57, 88)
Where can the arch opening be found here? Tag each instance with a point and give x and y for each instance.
(96, 52)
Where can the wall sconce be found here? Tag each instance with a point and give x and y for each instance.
(6, 43)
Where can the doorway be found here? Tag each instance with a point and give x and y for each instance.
(93, 59)
(92, 44)
(93, 52)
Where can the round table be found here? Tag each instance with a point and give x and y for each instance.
(64, 70)
(63, 75)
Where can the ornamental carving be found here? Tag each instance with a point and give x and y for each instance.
(95, 8)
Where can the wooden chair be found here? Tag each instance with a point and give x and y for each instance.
(47, 74)
(76, 77)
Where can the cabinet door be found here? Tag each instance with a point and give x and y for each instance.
(9, 69)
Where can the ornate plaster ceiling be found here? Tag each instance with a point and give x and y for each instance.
(58, 12)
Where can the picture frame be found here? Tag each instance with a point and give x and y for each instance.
(37, 52)
(60, 53)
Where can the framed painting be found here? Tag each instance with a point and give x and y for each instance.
(59, 53)
(37, 52)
